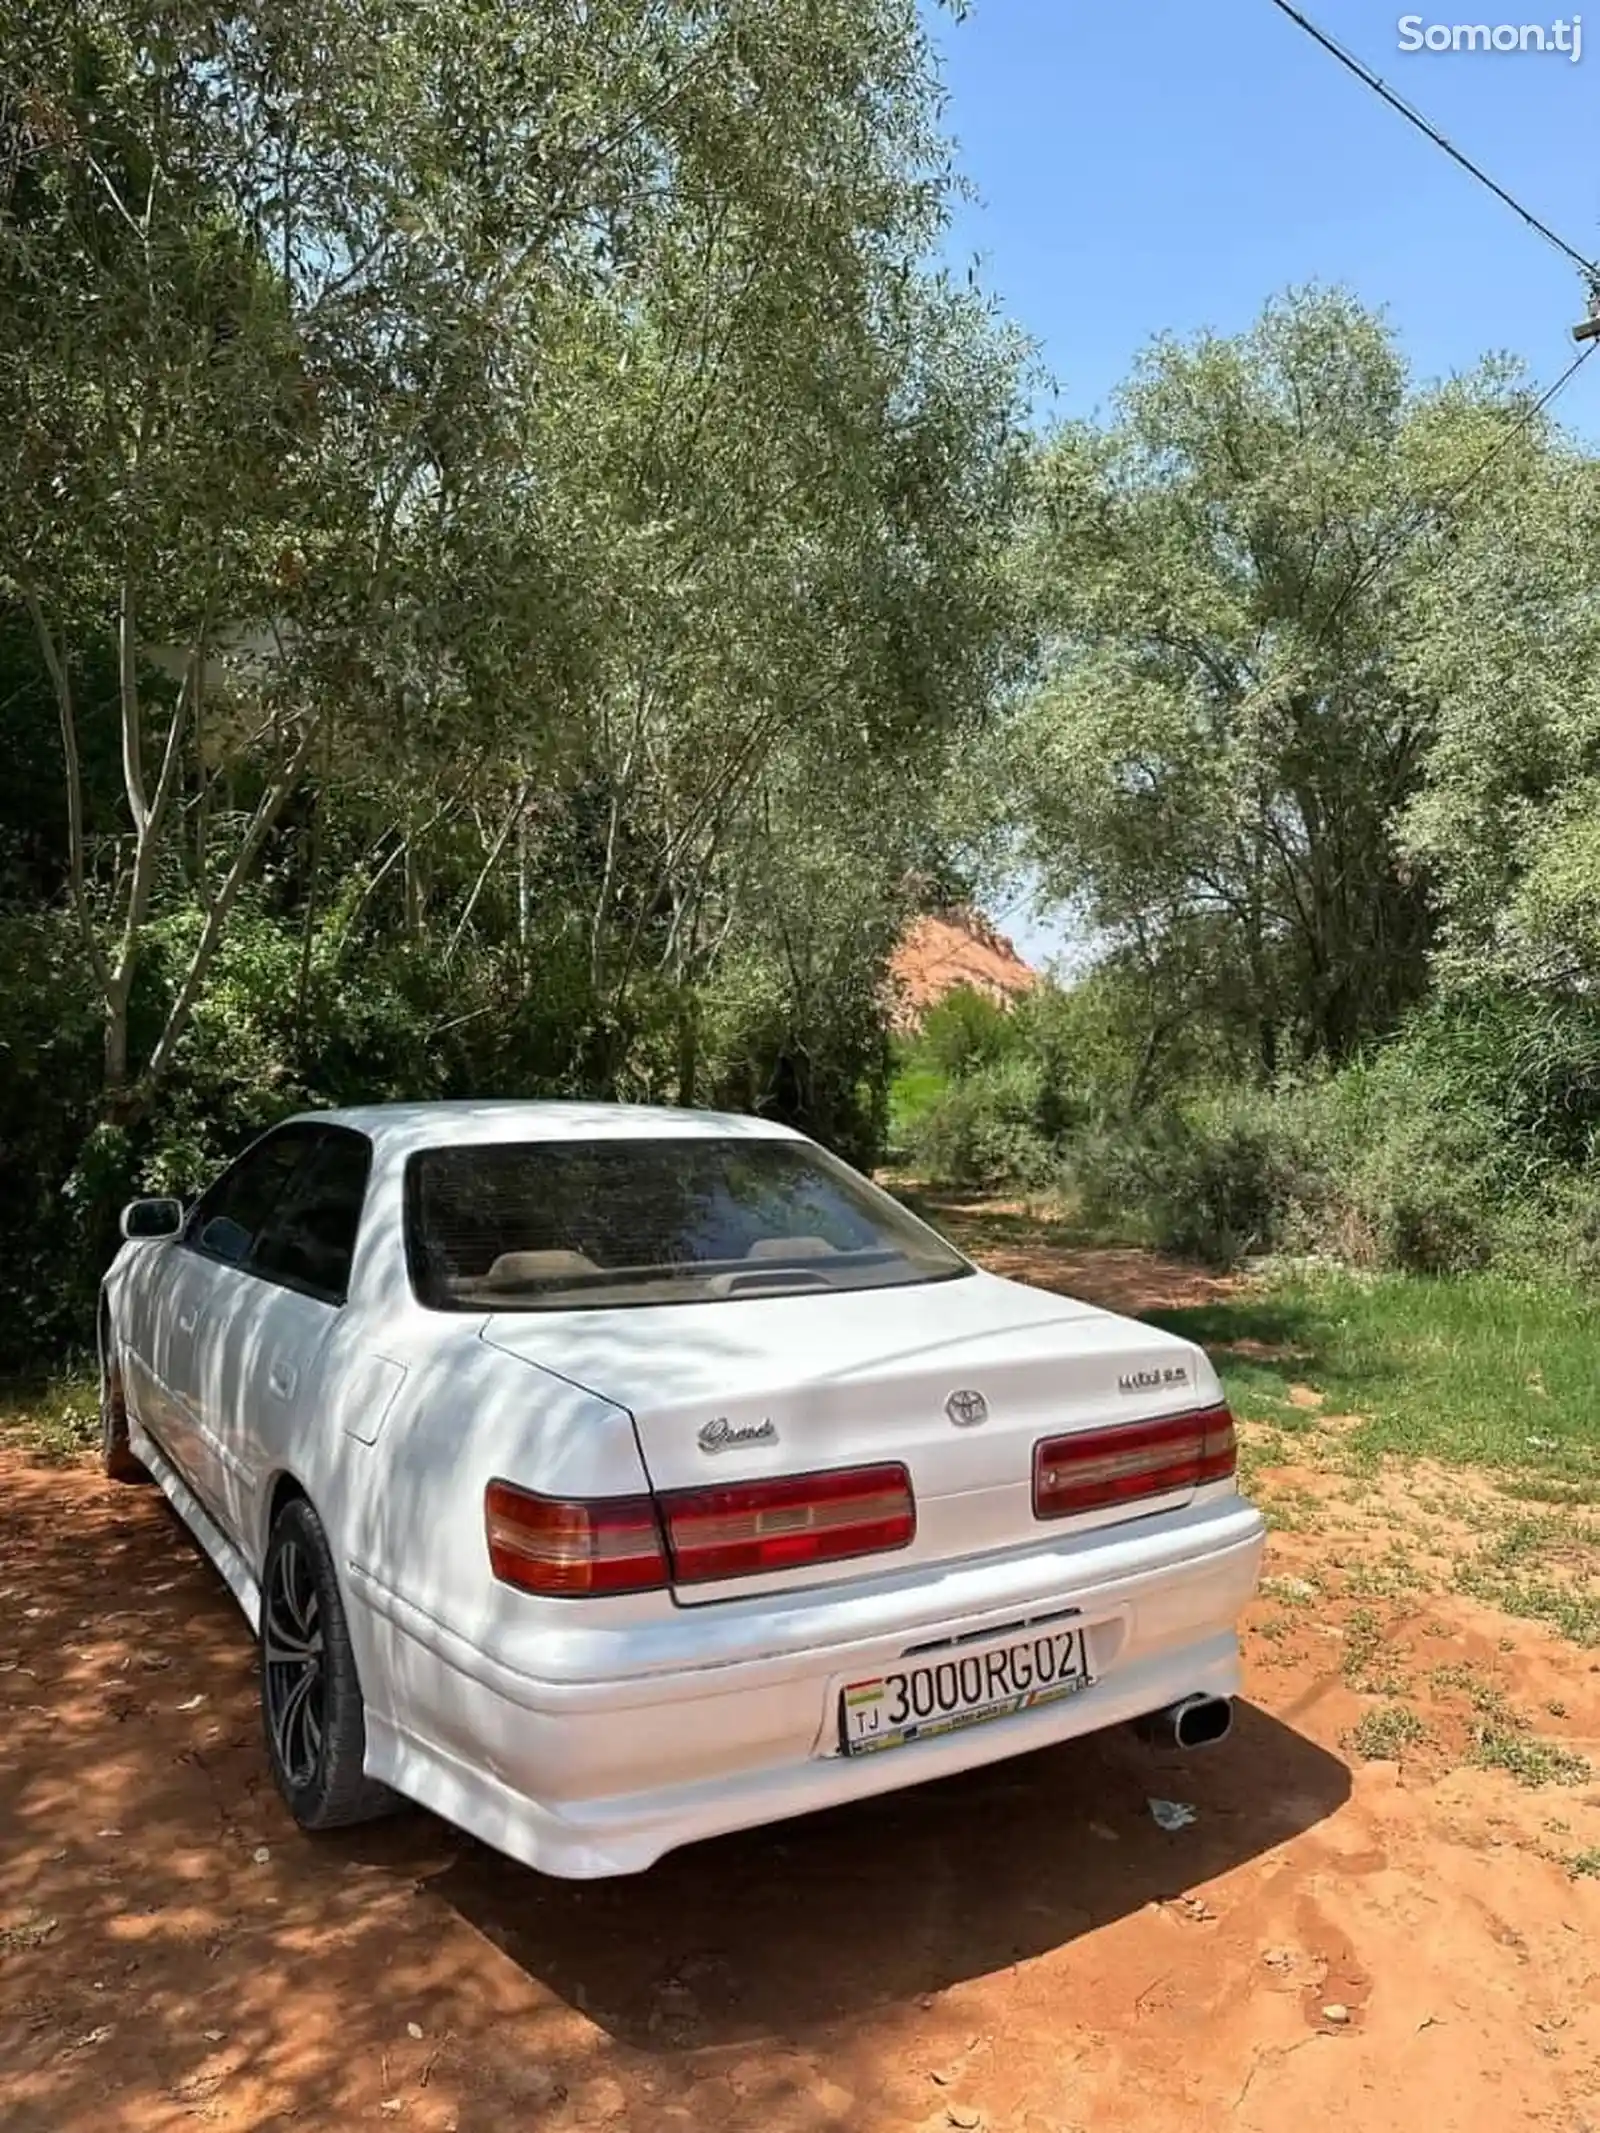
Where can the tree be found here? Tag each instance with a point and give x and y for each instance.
(1507, 641)
(512, 534)
(1229, 729)
(537, 400)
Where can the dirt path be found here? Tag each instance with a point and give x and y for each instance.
(1021, 1949)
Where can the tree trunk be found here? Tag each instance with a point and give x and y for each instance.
(688, 1046)
(413, 893)
(1267, 1048)
(115, 1082)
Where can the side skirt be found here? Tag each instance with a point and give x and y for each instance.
(229, 1564)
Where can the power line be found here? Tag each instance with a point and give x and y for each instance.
(1363, 577)
(1409, 112)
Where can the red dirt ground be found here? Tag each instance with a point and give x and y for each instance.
(1378, 1945)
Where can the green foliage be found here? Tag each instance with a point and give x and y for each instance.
(56, 1419)
(985, 1129)
(1506, 639)
(56, 1179)
(979, 1097)
(1529, 1761)
(1072, 1083)
(964, 1031)
(1383, 1734)
(1464, 1141)
(1208, 1179)
(1212, 765)
(1309, 691)
(916, 1087)
(497, 562)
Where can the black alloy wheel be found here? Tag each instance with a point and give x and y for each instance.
(312, 1713)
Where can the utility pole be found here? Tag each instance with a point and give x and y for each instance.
(1589, 329)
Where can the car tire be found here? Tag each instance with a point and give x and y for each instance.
(311, 1708)
(117, 1458)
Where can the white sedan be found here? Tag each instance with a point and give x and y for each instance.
(607, 1478)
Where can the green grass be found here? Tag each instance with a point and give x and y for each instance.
(1383, 1735)
(1477, 1370)
(1575, 1615)
(917, 1086)
(1292, 1591)
(1585, 1863)
(55, 1419)
(1500, 1717)
(1385, 1580)
(1528, 1760)
(1369, 1666)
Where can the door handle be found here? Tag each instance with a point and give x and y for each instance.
(186, 1321)
(281, 1380)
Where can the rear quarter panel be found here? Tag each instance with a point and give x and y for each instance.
(409, 1509)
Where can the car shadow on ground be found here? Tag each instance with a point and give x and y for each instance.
(171, 1946)
(897, 1898)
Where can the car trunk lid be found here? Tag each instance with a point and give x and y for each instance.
(955, 1381)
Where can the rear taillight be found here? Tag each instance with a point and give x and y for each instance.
(745, 1529)
(612, 1544)
(1097, 1468)
(749, 1528)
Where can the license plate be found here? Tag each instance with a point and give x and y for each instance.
(963, 1688)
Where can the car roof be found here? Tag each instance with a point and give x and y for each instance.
(465, 1121)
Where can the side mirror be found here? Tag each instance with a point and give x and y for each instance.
(152, 1218)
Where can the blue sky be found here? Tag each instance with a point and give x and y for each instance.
(1150, 165)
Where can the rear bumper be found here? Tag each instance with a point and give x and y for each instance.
(602, 1755)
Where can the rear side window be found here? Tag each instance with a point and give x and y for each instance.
(565, 1225)
(309, 1239)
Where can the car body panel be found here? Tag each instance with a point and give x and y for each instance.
(265, 1370)
(590, 1735)
(850, 1379)
(551, 1770)
(156, 1297)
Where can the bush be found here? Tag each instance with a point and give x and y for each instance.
(1468, 1139)
(50, 1049)
(1332, 1168)
(1431, 1166)
(966, 1031)
(984, 1129)
(1448, 1149)
(1424, 1193)
(1212, 1180)
(1561, 1229)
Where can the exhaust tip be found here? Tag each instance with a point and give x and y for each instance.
(1193, 1722)
(1202, 1720)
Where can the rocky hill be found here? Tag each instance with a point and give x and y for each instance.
(942, 950)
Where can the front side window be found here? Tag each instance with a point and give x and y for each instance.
(229, 1217)
(570, 1225)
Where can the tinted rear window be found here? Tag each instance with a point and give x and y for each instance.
(563, 1225)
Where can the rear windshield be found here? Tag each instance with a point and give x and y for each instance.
(565, 1225)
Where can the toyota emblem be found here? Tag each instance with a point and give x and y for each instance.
(967, 1409)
